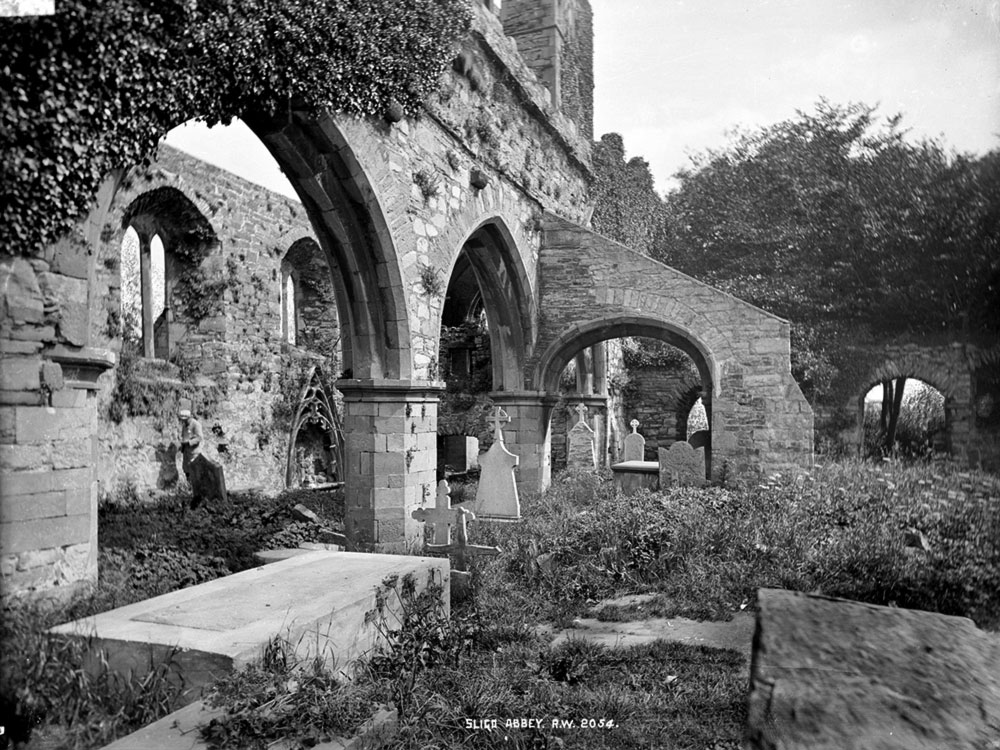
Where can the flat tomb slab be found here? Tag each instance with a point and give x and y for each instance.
(317, 601)
(632, 476)
(833, 674)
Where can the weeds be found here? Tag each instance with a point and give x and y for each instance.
(63, 690)
(283, 697)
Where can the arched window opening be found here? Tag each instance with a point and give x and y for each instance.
(697, 418)
(904, 418)
(131, 288)
(158, 298)
(289, 307)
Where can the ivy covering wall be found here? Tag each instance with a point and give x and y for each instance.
(94, 87)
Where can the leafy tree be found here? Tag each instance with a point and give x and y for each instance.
(838, 222)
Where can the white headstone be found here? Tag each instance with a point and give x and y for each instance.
(496, 496)
(581, 450)
(635, 444)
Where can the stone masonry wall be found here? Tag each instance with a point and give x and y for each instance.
(958, 371)
(656, 396)
(594, 289)
(234, 353)
(556, 41)
(48, 383)
(491, 148)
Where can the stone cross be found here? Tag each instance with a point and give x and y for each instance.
(497, 420)
(580, 444)
(635, 444)
(581, 409)
(443, 518)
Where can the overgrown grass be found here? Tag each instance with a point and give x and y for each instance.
(919, 536)
(61, 688)
(922, 537)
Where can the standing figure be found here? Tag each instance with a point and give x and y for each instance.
(191, 435)
(206, 477)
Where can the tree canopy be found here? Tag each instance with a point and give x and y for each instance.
(835, 215)
(838, 222)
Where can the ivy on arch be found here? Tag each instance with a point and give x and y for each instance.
(94, 87)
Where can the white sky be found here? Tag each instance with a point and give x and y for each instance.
(672, 76)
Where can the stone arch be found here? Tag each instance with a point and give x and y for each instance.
(579, 336)
(167, 216)
(338, 193)
(685, 404)
(942, 368)
(317, 410)
(565, 347)
(492, 254)
(317, 300)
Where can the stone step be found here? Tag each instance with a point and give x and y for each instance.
(316, 601)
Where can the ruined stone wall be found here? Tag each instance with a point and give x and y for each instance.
(556, 40)
(659, 398)
(491, 148)
(230, 360)
(963, 373)
(48, 386)
(594, 288)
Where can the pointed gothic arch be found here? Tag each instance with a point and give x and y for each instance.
(316, 413)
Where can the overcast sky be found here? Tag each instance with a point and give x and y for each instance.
(672, 76)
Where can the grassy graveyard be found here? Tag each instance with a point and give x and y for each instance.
(923, 536)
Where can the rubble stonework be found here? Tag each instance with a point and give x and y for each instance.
(493, 177)
(833, 673)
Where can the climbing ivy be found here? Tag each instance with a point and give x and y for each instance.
(94, 87)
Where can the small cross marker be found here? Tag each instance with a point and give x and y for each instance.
(634, 424)
(582, 410)
(499, 418)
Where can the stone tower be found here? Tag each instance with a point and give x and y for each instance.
(556, 40)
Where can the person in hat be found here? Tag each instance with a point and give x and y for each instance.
(191, 436)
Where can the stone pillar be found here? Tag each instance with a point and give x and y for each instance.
(48, 426)
(390, 459)
(146, 287)
(528, 435)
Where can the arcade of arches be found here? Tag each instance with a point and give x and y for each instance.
(252, 295)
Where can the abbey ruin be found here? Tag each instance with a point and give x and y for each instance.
(307, 336)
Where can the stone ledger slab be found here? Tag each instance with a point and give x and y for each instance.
(632, 476)
(832, 674)
(317, 601)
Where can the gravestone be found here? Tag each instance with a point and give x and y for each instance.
(496, 496)
(681, 466)
(833, 673)
(208, 481)
(443, 518)
(582, 452)
(635, 444)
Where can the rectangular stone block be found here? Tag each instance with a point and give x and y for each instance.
(833, 673)
(389, 463)
(42, 424)
(19, 374)
(29, 507)
(72, 454)
(317, 601)
(21, 536)
(23, 457)
(31, 482)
